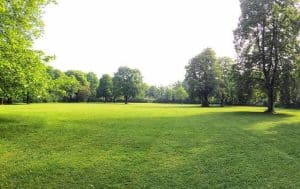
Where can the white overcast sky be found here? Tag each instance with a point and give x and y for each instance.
(156, 36)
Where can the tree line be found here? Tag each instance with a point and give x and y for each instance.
(265, 72)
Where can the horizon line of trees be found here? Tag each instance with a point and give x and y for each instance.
(208, 80)
(266, 71)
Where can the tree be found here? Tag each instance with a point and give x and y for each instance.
(69, 85)
(83, 94)
(152, 92)
(127, 82)
(243, 84)
(53, 73)
(266, 40)
(141, 96)
(20, 65)
(105, 87)
(225, 89)
(93, 83)
(61, 87)
(180, 93)
(201, 75)
(84, 90)
(36, 80)
(80, 76)
(286, 85)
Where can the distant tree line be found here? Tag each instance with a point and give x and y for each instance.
(266, 71)
(208, 80)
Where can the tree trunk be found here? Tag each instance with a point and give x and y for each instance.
(9, 100)
(27, 98)
(270, 100)
(126, 99)
(222, 101)
(2, 101)
(205, 102)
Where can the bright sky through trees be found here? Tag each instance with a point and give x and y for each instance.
(158, 37)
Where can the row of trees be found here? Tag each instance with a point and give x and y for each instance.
(125, 85)
(266, 71)
(267, 44)
(223, 81)
(77, 86)
(209, 79)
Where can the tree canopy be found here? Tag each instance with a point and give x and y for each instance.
(22, 68)
(201, 73)
(127, 82)
(266, 40)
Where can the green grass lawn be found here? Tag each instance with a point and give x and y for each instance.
(147, 146)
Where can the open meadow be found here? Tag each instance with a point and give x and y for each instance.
(148, 146)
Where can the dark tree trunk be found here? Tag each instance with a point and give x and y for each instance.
(27, 98)
(205, 102)
(9, 100)
(271, 99)
(222, 101)
(2, 101)
(126, 99)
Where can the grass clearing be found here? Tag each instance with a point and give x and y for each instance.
(147, 146)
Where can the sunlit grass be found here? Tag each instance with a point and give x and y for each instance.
(147, 146)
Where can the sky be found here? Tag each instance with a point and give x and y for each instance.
(158, 37)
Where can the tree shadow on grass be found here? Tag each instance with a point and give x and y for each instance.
(11, 128)
(261, 114)
(211, 150)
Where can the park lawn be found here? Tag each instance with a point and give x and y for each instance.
(148, 146)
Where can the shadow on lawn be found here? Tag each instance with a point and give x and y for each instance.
(212, 150)
(11, 128)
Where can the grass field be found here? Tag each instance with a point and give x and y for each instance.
(147, 146)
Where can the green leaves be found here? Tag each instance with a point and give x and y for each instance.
(266, 39)
(105, 88)
(22, 69)
(127, 82)
(201, 75)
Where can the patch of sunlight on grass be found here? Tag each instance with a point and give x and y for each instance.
(148, 146)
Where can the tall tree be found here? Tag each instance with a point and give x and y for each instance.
(201, 73)
(93, 83)
(225, 89)
(286, 85)
(243, 84)
(266, 39)
(127, 83)
(105, 88)
(20, 24)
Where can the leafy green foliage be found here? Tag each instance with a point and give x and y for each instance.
(267, 39)
(225, 89)
(127, 82)
(201, 75)
(61, 86)
(93, 84)
(22, 68)
(180, 93)
(105, 88)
